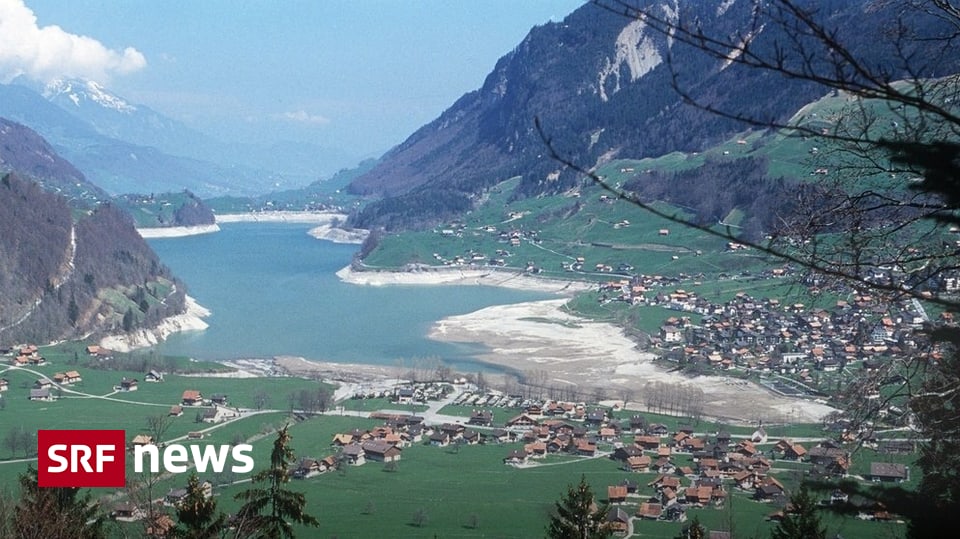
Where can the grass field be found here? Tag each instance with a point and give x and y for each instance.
(451, 492)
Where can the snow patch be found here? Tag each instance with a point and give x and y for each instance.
(76, 91)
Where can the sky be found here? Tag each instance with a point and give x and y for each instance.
(361, 75)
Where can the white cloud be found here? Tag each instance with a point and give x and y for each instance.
(50, 52)
(302, 116)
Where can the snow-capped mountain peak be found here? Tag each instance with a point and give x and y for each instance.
(78, 91)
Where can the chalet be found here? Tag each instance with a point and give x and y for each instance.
(671, 334)
(586, 448)
(596, 416)
(43, 383)
(657, 429)
(219, 399)
(353, 454)
(453, 430)
(794, 452)
(825, 455)
(639, 464)
(380, 451)
(440, 439)
(153, 376)
(481, 417)
(308, 467)
(4, 384)
(142, 439)
(769, 489)
(72, 377)
(665, 482)
(176, 410)
(126, 512)
(41, 394)
(128, 384)
(888, 472)
(342, 439)
(663, 465)
(647, 442)
(618, 521)
(638, 423)
(219, 414)
(191, 397)
(616, 493)
(745, 480)
(536, 449)
(699, 495)
(515, 458)
(650, 511)
(625, 452)
(496, 435)
(195, 435)
(470, 437)
(405, 395)
(522, 420)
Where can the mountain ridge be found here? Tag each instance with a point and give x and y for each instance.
(602, 86)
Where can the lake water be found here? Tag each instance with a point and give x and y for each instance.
(272, 290)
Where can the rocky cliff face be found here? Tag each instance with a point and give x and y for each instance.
(602, 86)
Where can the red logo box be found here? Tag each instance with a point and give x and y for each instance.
(81, 458)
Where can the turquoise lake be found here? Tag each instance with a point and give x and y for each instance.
(272, 290)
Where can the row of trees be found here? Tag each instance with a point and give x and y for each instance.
(880, 221)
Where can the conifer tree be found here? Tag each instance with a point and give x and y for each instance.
(43, 513)
(197, 515)
(577, 516)
(801, 521)
(269, 510)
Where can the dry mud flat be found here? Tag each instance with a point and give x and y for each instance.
(541, 336)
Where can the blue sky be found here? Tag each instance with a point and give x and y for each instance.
(356, 74)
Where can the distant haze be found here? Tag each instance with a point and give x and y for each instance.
(360, 76)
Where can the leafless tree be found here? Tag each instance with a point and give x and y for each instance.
(879, 218)
(157, 426)
(894, 144)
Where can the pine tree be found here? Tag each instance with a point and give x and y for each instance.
(197, 515)
(55, 512)
(801, 521)
(577, 516)
(268, 511)
(693, 531)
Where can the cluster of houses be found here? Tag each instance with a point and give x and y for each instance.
(218, 409)
(768, 335)
(688, 470)
(28, 356)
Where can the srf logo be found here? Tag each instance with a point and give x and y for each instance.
(81, 458)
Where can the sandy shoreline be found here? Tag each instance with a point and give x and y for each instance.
(463, 277)
(545, 341)
(190, 320)
(327, 225)
(177, 231)
(318, 217)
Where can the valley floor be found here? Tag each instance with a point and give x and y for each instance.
(542, 339)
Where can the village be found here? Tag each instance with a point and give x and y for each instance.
(669, 464)
(666, 470)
